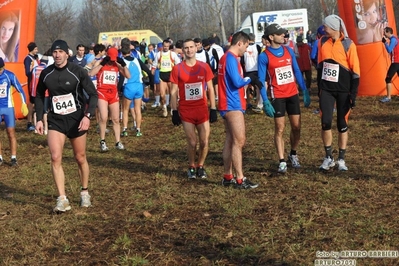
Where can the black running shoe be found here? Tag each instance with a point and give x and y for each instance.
(227, 183)
(246, 184)
(14, 162)
(201, 173)
(191, 173)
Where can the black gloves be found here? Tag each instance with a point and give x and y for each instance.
(105, 61)
(213, 116)
(121, 61)
(384, 40)
(176, 118)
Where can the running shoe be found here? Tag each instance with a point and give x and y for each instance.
(62, 205)
(155, 105)
(227, 183)
(191, 173)
(119, 146)
(139, 134)
(124, 133)
(14, 162)
(31, 128)
(341, 165)
(294, 161)
(201, 173)
(103, 146)
(164, 112)
(246, 184)
(385, 100)
(257, 110)
(282, 167)
(327, 164)
(1, 161)
(85, 200)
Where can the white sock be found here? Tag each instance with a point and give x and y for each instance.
(167, 96)
(157, 97)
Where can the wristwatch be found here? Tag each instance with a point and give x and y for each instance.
(87, 115)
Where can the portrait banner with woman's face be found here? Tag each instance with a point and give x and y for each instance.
(17, 28)
(365, 22)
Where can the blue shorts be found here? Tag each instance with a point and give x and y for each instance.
(224, 112)
(133, 91)
(156, 77)
(7, 113)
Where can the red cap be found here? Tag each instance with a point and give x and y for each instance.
(112, 53)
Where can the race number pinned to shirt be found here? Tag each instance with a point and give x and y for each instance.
(64, 104)
(3, 90)
(193, 91)
(330, 72)
(110, 77)
(284, 75)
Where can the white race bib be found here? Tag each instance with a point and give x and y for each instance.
(64, 104)
(193, 91)
(3, 90)
(284, 75)
(110, 77)
(330, 72)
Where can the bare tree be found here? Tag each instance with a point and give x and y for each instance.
(54, 21)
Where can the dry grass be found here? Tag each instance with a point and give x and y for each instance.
(146, 212)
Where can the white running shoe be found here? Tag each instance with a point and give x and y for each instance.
(155, 105)
(103, 146)
(85, 200)
(62, 205)
(327, 164)
(164, 112)
(341, 165)
(282, 167)
(294, 161)
(119, 146)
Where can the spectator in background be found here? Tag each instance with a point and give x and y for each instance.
(309, 37)
(79, 58)
(391, 45)
(217, 39)
(9, 30)
(313, 53)
(143, 47)
(31, 61)
(303, 58)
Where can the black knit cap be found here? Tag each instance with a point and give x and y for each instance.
(61, 45)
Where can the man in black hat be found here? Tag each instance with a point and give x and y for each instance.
(31, 61)
(69, 117)
(279, 63)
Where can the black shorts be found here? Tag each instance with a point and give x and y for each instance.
(289, 105)
(66, 124)
(164, 76)
(393, 68)
(215, 79)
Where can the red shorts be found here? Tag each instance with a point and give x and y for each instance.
(110, 96)
(196, 116)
